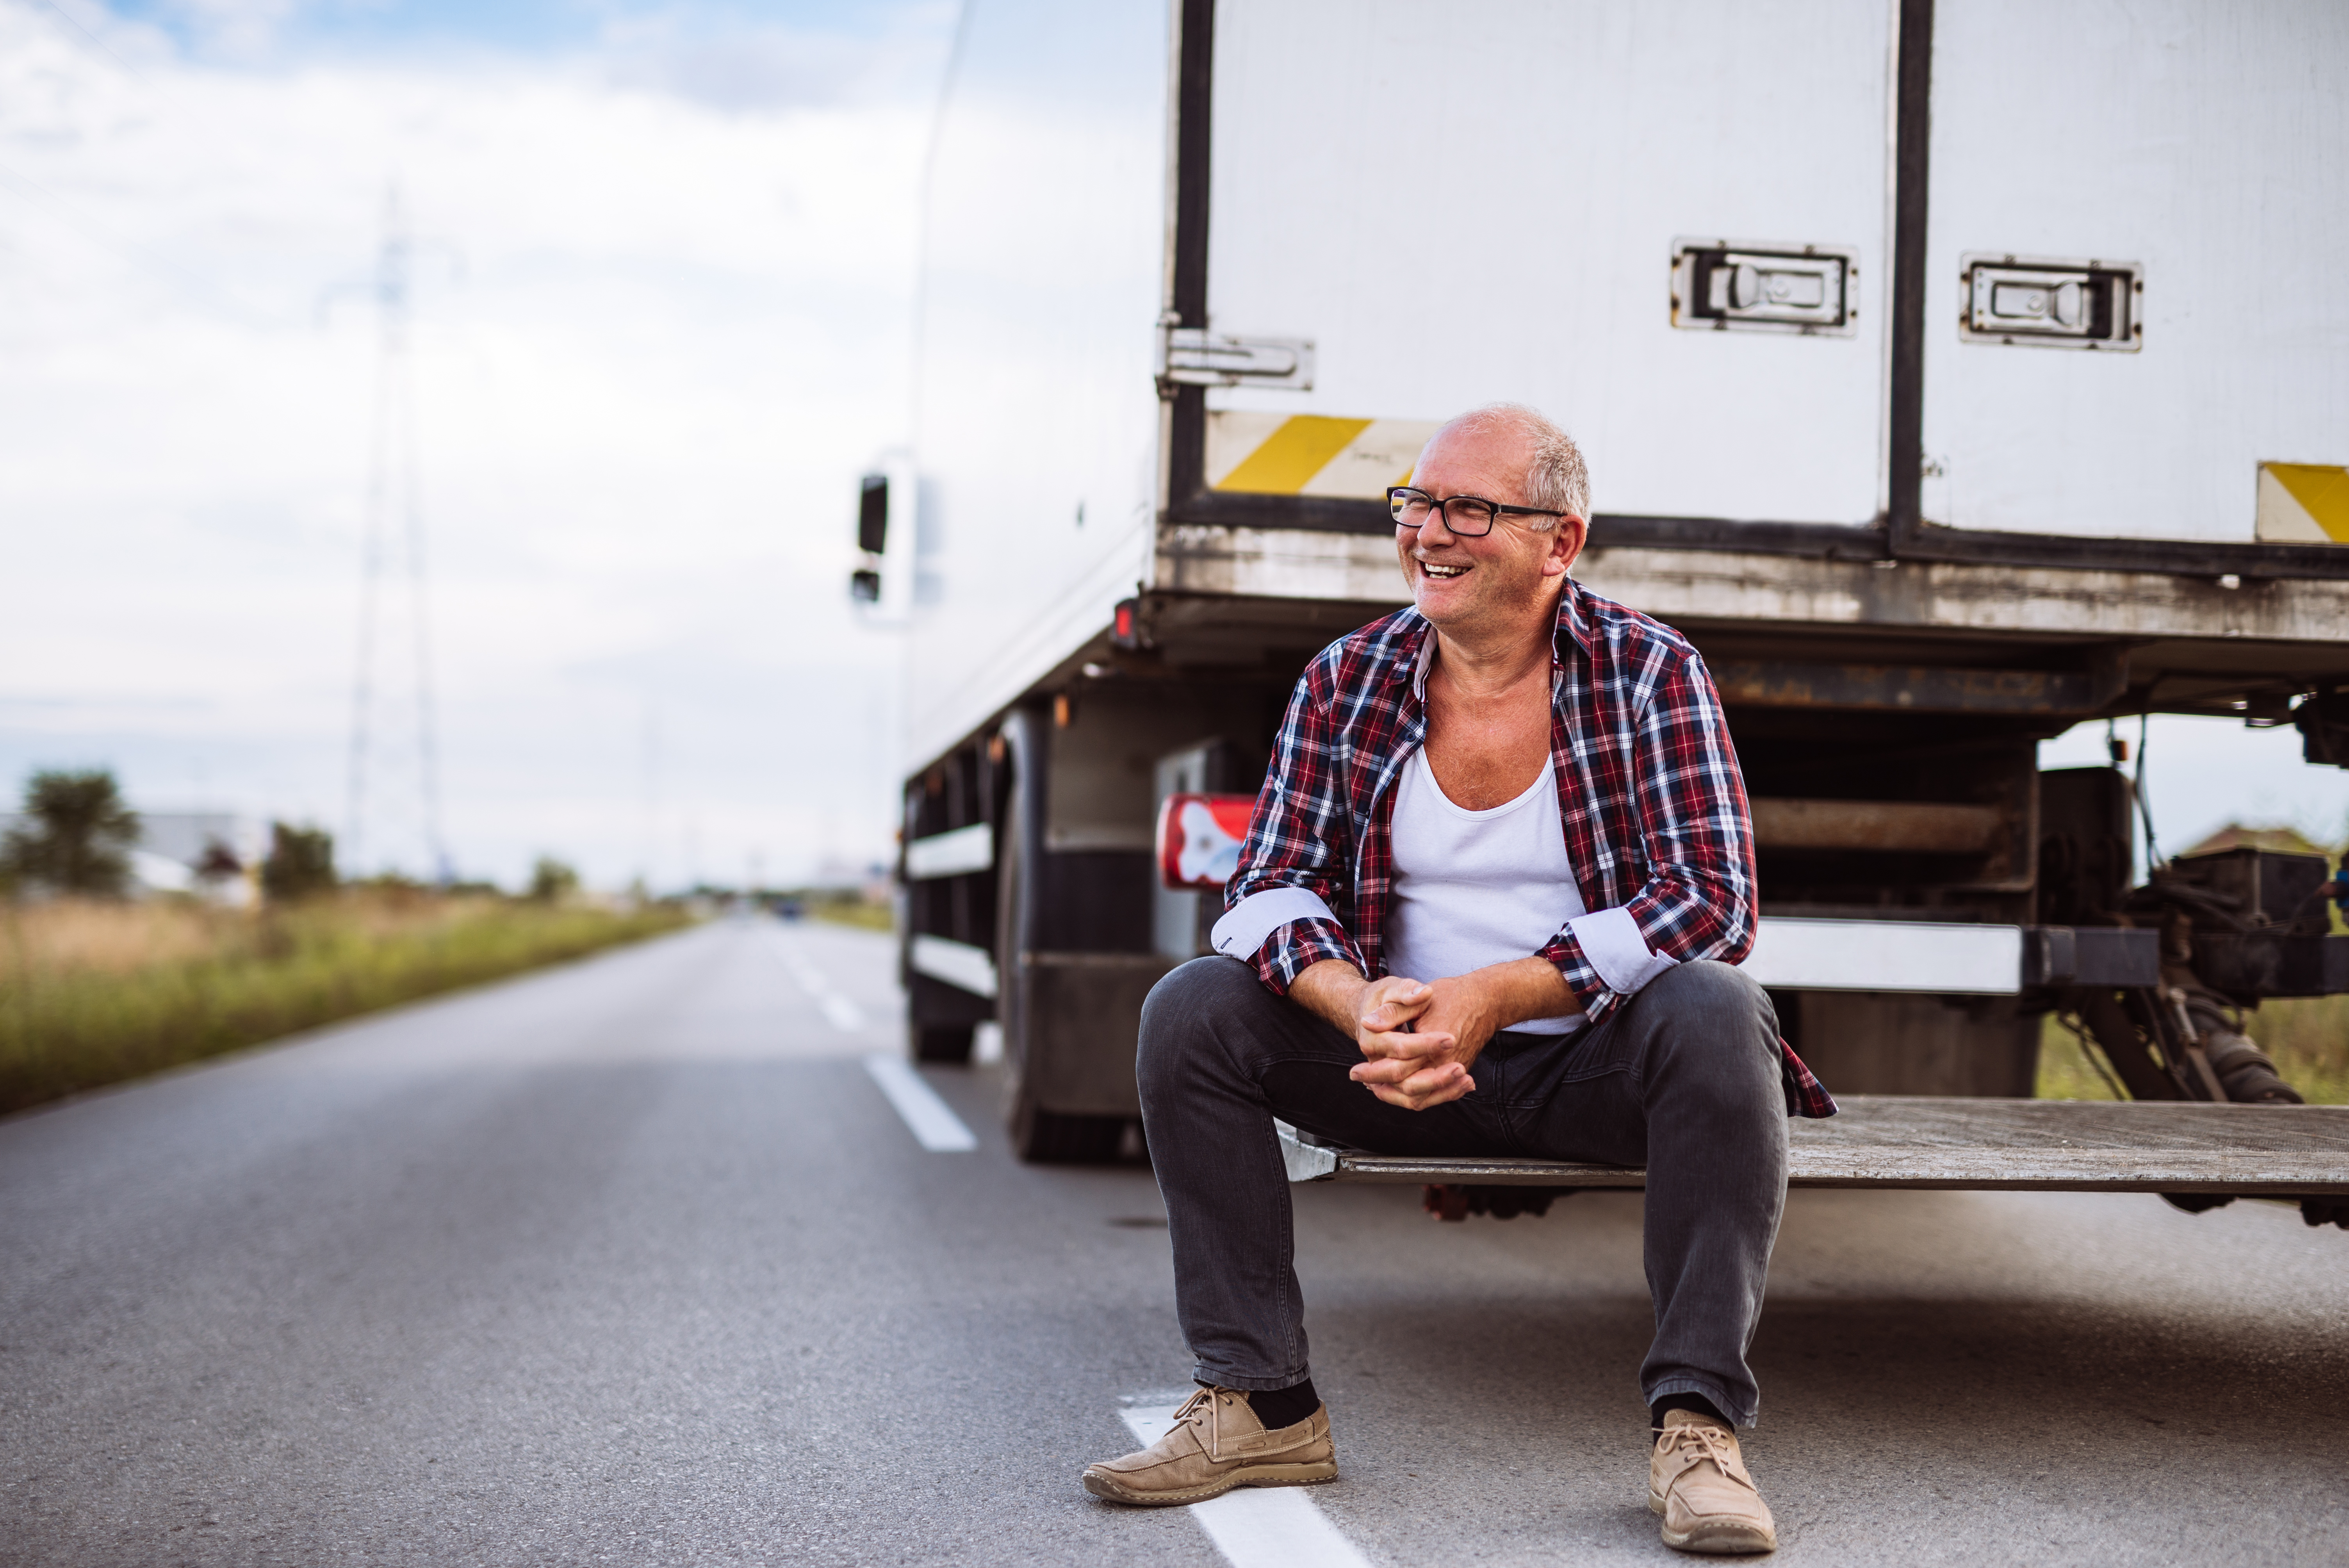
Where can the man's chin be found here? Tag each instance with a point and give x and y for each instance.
(1440, 603)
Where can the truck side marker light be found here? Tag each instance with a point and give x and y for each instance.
(934, 1126)
(1257, 1527)
(2304, 503)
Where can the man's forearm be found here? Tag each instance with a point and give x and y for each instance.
(1525, 988)
(1513, 992)
(1330, 988)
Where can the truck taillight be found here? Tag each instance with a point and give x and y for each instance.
(1199, 839)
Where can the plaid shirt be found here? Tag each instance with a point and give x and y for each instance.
(1654, 810)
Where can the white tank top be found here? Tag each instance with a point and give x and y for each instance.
(1473, 888)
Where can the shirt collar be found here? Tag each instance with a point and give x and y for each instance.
(1573, 620)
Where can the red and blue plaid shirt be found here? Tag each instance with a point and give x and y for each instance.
(1653, 806)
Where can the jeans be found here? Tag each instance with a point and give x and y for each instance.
(1683, 1078)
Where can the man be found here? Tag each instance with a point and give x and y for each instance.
(1490, 899)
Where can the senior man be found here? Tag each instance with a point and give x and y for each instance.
(1488, 905)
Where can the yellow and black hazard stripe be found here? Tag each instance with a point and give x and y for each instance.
(2304, 503)
(1311, 454)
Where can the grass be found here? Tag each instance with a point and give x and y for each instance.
(862, 915)
(2308, 1036)
(845, 906)
(93, 994)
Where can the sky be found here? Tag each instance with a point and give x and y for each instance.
(661, 265)
(661, 271)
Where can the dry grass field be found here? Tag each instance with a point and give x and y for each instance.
(2308, 1036)
(94, 993)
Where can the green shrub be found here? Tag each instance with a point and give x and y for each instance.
(553, 881)
(301, 863)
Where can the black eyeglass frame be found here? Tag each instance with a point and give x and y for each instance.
(1395, 506)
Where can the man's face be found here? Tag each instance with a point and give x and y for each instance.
(1507, 575)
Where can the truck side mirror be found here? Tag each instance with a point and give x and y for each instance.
(885, 533)
(873, 517)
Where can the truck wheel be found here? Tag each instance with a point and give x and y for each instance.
(946, 1043)
(1049, 1137)
(1038, 1136)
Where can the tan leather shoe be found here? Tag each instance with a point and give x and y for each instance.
(1216, 1444)
(1698, 1481)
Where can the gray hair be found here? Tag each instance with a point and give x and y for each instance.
(1556, 477)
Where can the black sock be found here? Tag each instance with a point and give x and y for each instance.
(1278, 1408)
(1696, 1402)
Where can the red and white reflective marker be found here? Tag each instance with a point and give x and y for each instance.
(1199, 839)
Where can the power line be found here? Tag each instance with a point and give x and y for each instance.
(76, 24)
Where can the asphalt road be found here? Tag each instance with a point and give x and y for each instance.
(631, 1262)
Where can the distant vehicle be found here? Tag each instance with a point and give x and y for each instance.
(789, 909)
(1945, 390)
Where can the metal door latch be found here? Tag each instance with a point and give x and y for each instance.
(1195, 356)
(2053, 303)
(1729, 285)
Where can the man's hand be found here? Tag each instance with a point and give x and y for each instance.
(1421, 1036)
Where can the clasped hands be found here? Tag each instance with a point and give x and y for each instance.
(1420, 1037)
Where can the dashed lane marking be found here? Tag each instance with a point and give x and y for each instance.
(1258, 1526)
(933, 1124)
(838, 1011)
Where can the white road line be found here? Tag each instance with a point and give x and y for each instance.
(936, 1127)
(838, 1010)
(1258, 1527)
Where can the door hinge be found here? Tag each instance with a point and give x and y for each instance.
(1195, 356)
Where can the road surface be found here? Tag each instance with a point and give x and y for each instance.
(635, 1262)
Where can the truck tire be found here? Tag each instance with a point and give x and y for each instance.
(945, 1045)
(1049, 1137)
(1039, 1135)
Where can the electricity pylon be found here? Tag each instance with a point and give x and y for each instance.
(394, 518)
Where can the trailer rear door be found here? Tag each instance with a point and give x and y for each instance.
(1480, 201)
(2204, 143)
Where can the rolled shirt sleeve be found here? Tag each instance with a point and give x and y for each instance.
(1696, 838)
(1294, 870)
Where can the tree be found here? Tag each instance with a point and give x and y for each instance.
(301, 863)
(219, 862)
(552, 881)
(78, 834)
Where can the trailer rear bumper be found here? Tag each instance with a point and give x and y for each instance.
(1990, 1145)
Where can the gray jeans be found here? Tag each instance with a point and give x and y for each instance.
(1683, 1078)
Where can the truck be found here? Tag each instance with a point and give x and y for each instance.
(1951, 375)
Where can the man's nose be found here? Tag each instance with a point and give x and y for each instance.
(1437, 528)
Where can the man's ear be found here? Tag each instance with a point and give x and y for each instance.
(1566, 543)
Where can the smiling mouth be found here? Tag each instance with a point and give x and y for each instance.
(1441, 572)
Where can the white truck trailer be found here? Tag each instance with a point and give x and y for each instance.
(1949, 374)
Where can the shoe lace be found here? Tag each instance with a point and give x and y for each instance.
(1208, 1411)
(1712, 1443)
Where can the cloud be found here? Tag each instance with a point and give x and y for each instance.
(654, 339)
(738, 64)
(730, 56)
(239, 29)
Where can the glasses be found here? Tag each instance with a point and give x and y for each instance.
(1469, 516)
